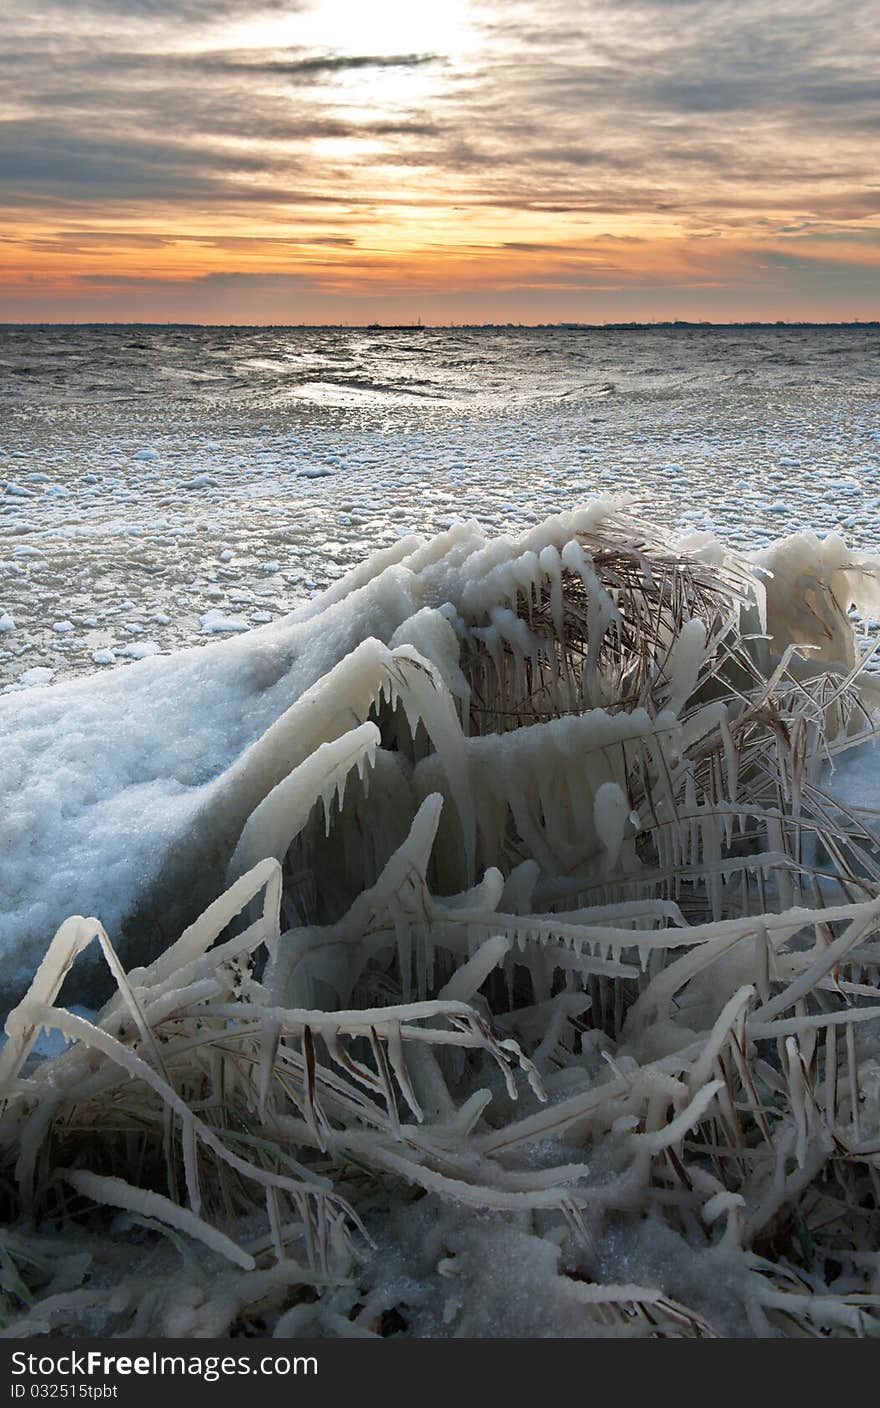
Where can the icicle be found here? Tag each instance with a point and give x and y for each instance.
(394, 1047)
(684, 662)
(610, 820)
(519, 888)
(438, 714)
(731, 759)
(520, 640)
(527, 574)
(281, 816)
(435, 638)
(469, 978)
(551, 566)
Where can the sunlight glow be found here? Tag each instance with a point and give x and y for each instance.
(353, 28)
(388, 27)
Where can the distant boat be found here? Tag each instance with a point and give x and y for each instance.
(396, 327)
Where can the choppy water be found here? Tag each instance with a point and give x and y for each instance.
(277, 368)
(160, 483)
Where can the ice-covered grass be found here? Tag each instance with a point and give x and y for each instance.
(534, 987)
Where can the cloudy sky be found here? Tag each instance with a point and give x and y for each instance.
(513, 160)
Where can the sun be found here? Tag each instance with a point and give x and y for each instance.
(354, 28)
(387, 27)
(439, 39)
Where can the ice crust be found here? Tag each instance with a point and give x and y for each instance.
(741, 433)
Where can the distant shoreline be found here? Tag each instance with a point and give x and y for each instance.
(670, 325)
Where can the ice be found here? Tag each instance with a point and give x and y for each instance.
(140, 649)
(854, 781)
(37, 675)
(216, 623)
(134, 753)
(6, 623)
(108, 780)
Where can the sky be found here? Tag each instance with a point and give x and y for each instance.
(328, 161)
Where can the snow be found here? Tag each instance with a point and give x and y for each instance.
(37, 675)
(102, 777)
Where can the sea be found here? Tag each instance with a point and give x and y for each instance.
(163, 486)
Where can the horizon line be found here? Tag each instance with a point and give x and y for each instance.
(623, 325)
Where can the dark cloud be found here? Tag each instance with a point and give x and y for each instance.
(294, 66)
(80, 65)
(42, 162)
(40, 155)
(90, 241)
(850, 270)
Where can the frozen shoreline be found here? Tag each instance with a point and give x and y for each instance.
(151, 517)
